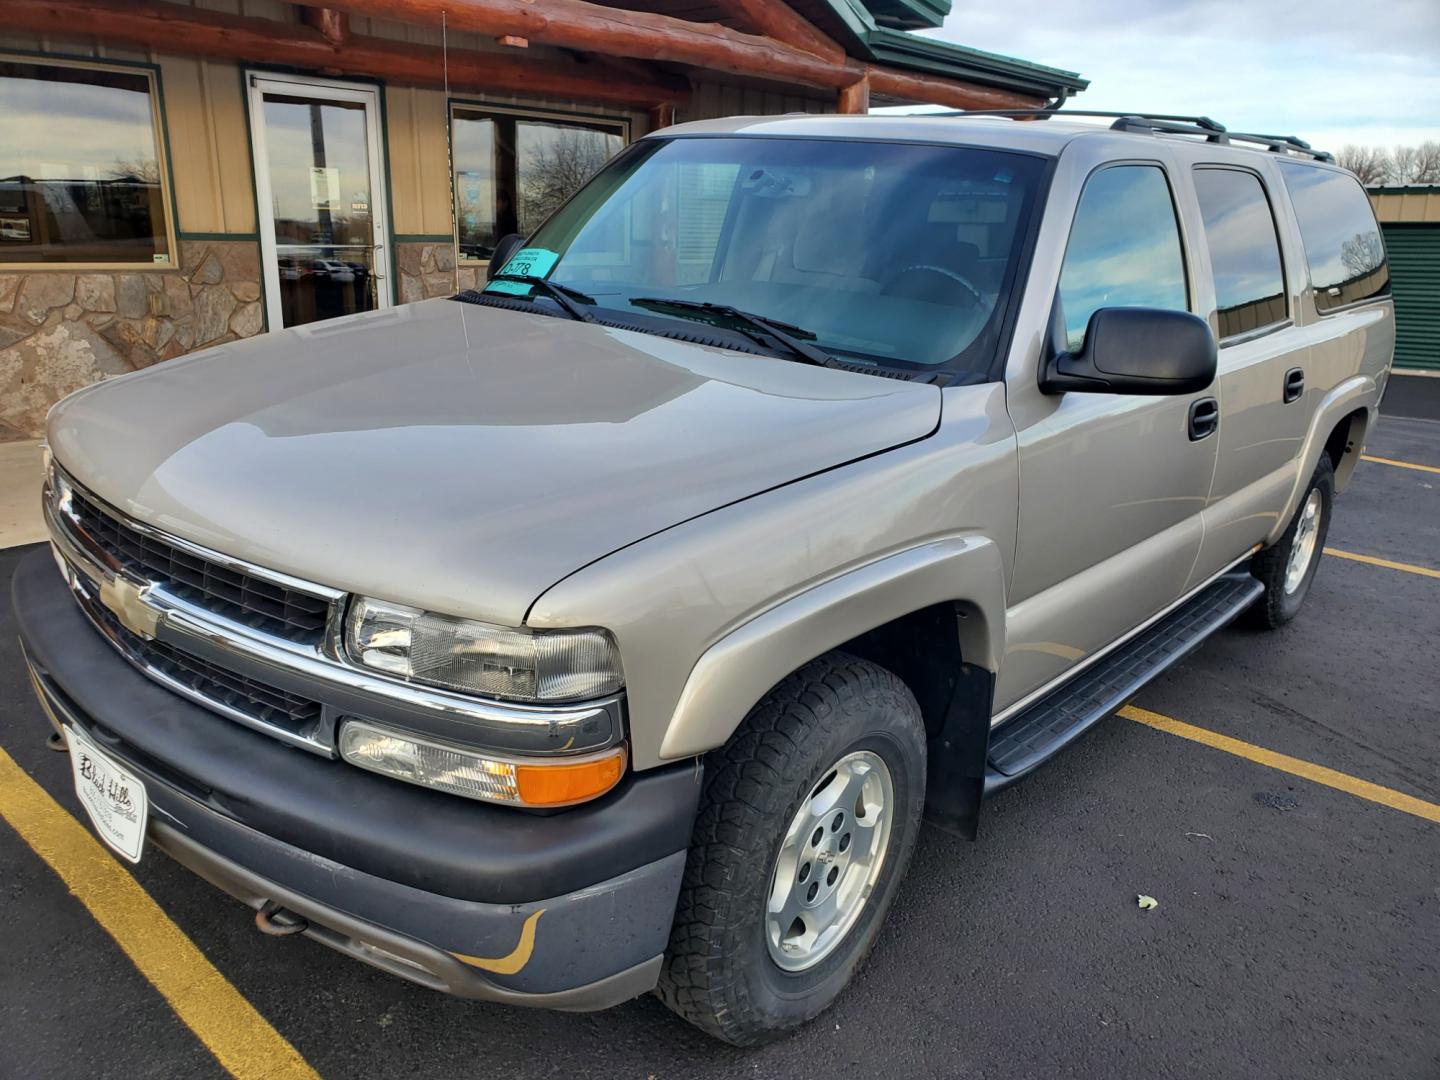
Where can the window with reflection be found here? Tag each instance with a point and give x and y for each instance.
(1124, 249)
(1337, 227)
(318, 158)
(512, 171)
(1244, 250)
(81, 167)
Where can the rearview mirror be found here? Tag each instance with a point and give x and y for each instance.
(501, 255)
(1136, 351)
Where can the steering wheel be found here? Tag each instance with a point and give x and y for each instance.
(949, 275)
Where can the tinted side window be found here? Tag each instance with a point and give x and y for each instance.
(1342, 241)
(1244, 250)
(1124, 248)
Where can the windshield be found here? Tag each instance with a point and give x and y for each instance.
(889, 253)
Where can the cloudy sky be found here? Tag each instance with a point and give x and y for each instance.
(1330, 71)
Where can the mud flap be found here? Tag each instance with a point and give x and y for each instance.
(955, 785)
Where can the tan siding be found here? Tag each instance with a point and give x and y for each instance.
(419, 160)
(1410, 206)
(209, 145)
(225, 92)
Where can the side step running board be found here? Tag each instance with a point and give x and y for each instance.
(1063, 715)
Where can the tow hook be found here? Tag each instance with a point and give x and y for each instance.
(274, 920)
(57, 742)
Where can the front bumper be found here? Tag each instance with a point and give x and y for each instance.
(570, 910)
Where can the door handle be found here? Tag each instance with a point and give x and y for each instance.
(1204, 418)
(1294, 384)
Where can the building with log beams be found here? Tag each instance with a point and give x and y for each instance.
(179, 175)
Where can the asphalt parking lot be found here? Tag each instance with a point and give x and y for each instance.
(1297, 933)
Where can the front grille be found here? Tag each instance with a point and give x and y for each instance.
(256, 700)
(244, 598)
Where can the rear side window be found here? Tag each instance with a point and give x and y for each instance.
(1124, 249)
(1244, 250)
(1342, 241)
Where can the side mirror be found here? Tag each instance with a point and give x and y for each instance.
(506, 247)
(1136, 351)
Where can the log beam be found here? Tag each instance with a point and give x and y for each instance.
(189, 31)
(569, 24)
(855, 98)
(778, 20)
(587, 27)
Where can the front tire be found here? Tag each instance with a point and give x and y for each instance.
(806, 825)
(1287, 568)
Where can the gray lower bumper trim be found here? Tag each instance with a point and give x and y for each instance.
(399, 955)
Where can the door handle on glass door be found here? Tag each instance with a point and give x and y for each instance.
(377, 269)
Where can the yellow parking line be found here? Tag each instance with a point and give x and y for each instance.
(1363, 789)
(1400, 464)
(240, 1038)
(1424, 571)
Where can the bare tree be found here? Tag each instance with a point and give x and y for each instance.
(556, 171)
(1416, 164)
(1375, 165)
(1402, 164)
(146, 170)
(1370, 164)
(1362, 253)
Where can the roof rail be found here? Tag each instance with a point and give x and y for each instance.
(1165, 124)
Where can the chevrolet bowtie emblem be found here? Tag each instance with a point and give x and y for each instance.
(127, 602)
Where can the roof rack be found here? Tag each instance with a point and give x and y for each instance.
(1166, 124)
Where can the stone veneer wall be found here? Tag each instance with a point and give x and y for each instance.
(426, 270)
(60, 331)
(469, 277)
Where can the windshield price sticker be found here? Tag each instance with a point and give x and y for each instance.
(527, 262)
(113, 796)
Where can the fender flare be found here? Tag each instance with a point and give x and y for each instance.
(734, 673)
(1356, 392)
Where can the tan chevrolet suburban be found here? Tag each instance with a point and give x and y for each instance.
(614, 627)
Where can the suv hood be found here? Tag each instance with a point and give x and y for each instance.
(462, 458)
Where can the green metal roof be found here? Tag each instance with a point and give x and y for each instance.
(886, 45)
(909, 14)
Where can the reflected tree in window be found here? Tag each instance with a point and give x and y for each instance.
(553, 167)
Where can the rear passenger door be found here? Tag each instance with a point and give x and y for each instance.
(1262, 361)
(1112, 487)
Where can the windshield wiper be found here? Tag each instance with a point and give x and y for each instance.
(563, 295)
(785, 333)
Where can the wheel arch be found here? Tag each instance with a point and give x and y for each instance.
(1349, 407)
(933, 615)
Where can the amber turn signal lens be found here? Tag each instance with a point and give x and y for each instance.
(569, 782)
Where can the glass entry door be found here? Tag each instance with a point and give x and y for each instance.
(322, 202)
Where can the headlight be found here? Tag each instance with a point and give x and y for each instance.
(476, 775)
(477, 658)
